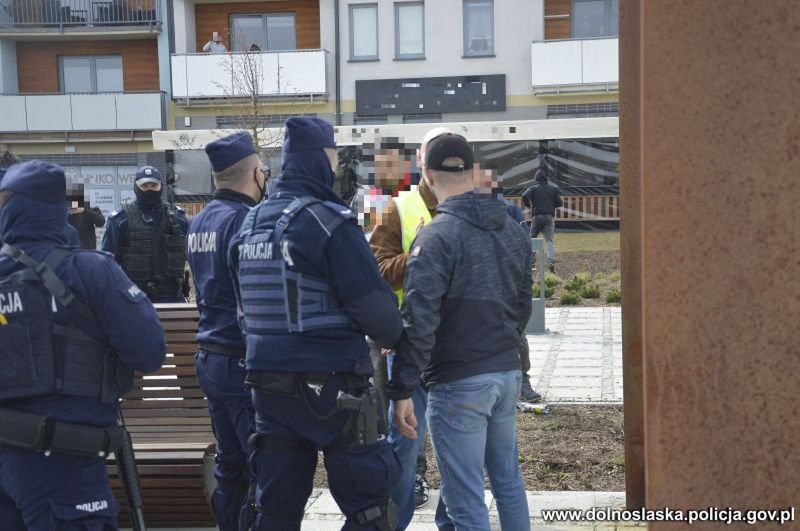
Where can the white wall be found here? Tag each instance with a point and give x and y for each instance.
(185, 38)
(8, 67)
(516, 24)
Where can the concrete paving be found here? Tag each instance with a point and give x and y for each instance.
(580, 358)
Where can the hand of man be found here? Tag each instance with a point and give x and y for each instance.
(404, 418)
(386, 351)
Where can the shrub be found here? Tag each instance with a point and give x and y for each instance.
(614, 277)
(569, 298)
(551, 280)
(548, 291)
(599, 278)
(590, 291)
(614, 296)
(577, 282)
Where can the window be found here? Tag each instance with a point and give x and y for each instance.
(409, 30)
(102, 73)
(595, 18)
(478, 27)
(268, 32)
(363, 32)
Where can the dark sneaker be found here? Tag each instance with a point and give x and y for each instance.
(552, 268)
(420, 491)
(527, 394)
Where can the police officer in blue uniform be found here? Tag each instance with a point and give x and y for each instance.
(310, 291)
(147, 237)
(72, 329)
(220, 358)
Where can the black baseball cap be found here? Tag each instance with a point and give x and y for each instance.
(445, 146)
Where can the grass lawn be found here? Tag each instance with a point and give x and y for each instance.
(586, 242)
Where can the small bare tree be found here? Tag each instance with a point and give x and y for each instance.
(255, 96)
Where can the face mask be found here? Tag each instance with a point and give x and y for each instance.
(149, 198)
(262, 189)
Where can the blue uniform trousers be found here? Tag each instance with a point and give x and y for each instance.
(360, 477)
(60, 492)
(232, 419)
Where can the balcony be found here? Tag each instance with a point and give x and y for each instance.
(130, 111)
(45, 17)
(298, 73)
(576, 65)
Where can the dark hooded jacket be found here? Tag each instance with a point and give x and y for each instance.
(127, 322)
(343, 258)
(467, 293)
(542, 197)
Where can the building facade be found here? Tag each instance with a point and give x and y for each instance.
(84, 83)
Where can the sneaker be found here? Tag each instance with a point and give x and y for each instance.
(527, 394)
(420, 491)
(552, 268)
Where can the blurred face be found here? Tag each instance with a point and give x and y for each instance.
(333, 156)
(485, 181)
(147, 187)
(390, 168)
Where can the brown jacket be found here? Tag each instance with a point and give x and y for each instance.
(387, 240)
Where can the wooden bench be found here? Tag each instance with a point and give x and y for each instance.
(167, 416)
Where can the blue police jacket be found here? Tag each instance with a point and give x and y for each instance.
(117, 227)
(343, 260)
(126, 320)
(210, 233)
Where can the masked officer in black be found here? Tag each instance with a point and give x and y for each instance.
(220, 359)
(72, 329)
(310, 291)
(147, 239)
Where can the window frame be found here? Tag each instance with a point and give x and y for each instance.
(409, 56)
(363, 58)
(467, 53)
(265, 33)
(607, 20)
(92, 71)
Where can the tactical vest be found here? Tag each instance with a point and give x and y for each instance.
(275, 299)
(411, 207)
(153, 256)
(41, 357)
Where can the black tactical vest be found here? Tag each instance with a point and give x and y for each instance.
(153, 256)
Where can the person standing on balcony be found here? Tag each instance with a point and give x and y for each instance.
(147, 238)
(543, 199)
(215, 45)
(240, 185)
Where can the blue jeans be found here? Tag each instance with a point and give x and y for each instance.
(473, 424)
(232, 420)
(407, 451)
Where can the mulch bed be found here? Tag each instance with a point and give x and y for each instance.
(571, 448)
(570, 264)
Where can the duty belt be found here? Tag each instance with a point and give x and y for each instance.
(216, 348)
(46, 435)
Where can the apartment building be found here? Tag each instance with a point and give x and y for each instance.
(85, 82)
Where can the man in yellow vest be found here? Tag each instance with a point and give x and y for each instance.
(391, 241)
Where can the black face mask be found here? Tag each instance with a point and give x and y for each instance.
(149, 198)
(261, 188)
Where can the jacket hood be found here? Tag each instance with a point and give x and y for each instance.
(28, 223)
(484, 211)
(312, 164)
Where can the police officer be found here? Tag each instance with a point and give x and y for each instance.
(72, 329)
(147, 239)
(310, 291)
(220, 358)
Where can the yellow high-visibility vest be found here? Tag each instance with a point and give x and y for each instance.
(411, 207)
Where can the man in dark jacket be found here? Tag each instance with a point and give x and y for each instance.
(467, 294)
(543, 200)
(85, 219)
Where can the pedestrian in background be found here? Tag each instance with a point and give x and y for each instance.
(543, 199)
(85, 219)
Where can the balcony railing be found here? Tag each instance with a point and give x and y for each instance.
(242, 75)
(575, 65)
(30, 14)
(130, 111)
